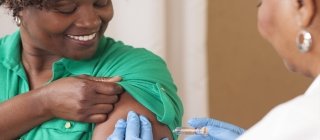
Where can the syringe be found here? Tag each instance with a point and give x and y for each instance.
(191, 131)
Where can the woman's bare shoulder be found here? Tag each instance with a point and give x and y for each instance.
(126, 104)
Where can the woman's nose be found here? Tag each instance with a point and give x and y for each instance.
(88, 18)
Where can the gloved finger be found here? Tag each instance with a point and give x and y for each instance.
(133, 125)
(199, 137)
(227, 126)
(222, 134)
(201, 122)
(119, 131)
(146, 128)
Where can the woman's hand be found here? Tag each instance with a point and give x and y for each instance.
(83, 98)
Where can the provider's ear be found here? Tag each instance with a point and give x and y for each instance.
(306, 12)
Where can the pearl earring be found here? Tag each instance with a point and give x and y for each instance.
(304, 41)
(17, 20)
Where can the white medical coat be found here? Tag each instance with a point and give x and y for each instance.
(297, 119)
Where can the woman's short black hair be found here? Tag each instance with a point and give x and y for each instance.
(15, 6)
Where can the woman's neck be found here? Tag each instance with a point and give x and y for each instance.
(37, 62)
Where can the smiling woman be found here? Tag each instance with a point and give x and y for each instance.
(53, 72)
(70, 38)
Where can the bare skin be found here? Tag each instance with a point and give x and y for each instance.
(126, 104)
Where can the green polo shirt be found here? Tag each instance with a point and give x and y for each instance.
(144, 75)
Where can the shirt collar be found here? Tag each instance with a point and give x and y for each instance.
(11, 56)
(11, 48)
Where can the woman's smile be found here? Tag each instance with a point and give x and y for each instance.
(83, 37)
(83, 40)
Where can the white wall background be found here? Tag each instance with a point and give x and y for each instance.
(173, 29)
(7, 25)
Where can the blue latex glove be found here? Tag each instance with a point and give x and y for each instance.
(217, 130)
(135, 128)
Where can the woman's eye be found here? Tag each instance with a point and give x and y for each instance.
(101, 3)
(65, 7)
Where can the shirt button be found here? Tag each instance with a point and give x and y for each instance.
(67, 125)
(163, 89)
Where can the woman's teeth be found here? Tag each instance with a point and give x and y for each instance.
(83, 38)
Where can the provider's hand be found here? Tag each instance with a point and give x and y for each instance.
(217, 130)
(83, 98)
(135, 128)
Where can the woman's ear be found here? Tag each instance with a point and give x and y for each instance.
(18, 19)
(306, 12)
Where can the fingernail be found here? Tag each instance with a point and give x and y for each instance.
(119, 89)
(165, 139)
(117, 77)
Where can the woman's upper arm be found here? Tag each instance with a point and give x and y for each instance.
(126, 104)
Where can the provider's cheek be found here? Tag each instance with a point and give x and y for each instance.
(264, 23)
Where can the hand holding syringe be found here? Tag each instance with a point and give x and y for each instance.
(208, 128)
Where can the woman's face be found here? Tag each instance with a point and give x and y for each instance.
(67, 28)
(277, 23)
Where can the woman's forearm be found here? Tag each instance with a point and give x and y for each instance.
(20, 114)
(79, 99)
